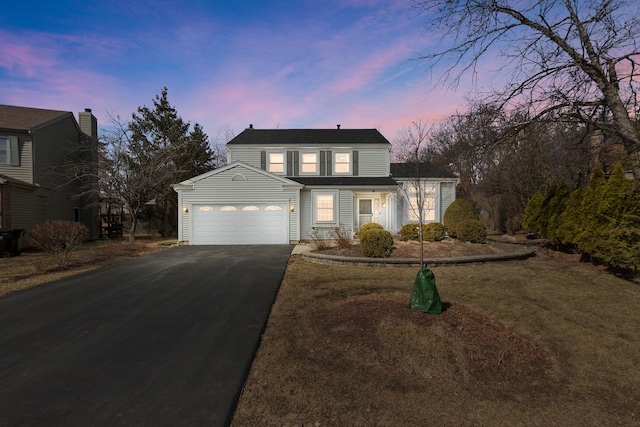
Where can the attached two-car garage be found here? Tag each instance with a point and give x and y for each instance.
(234, 224)
(238, 204)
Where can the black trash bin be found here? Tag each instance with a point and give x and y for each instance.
(9, 242)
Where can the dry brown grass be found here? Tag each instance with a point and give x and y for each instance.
(544, 341)
(34, 268)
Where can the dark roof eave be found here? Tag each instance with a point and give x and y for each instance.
(332, 181)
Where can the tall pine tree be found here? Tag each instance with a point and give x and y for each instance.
(164, 141)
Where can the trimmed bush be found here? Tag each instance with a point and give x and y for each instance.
(59, 238)
(369, 226)
(376, 243)
(433, 232)
(457, 211)
(471, 230)
(410, 231)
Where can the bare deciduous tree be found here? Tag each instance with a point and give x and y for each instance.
(570, 60)
(500, 169)
(410, 147)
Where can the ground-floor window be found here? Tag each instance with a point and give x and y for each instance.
(324, 207)
(428, 203)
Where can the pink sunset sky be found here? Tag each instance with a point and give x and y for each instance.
(286, 64)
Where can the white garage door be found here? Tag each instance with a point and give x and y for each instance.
(242, 224)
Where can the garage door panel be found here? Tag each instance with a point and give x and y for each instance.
(240, 224)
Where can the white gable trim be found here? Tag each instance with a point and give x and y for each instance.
(189, 183)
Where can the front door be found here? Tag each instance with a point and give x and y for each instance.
(365, 211)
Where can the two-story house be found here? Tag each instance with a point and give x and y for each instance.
(285, 185)
(35, 145)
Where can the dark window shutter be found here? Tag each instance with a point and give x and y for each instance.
(296, 163)
(355, 163)
(289, 163)
(14, 151)
(323, 163)
(263, 160)
(329, 168)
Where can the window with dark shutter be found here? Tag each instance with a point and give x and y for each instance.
(355, 163)
(323, 163)
(289, 163)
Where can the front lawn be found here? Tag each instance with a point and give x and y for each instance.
(34, 267)
(543, 341)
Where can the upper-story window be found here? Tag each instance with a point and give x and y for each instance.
(5, 156)
(9, 154)
(309, 164)
(276, 163)
(341, 163)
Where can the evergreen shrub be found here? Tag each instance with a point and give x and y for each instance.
(459, 210)
(471, 230)
(433, 232)
(369, 226)
(376, 243)
(532, 213)
(410, 231)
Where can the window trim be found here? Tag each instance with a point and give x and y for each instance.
(335, 162)
(8, 149)
(284, 162)
(302, 163)
(314, 201)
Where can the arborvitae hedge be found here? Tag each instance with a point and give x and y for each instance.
(532, 213)
(602, 221)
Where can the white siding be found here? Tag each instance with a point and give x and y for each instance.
(346, 209)
(306, 214)
(447, 196)
(373, 162)
(250, 156)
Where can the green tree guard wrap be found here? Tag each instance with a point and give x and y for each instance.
(424, 296)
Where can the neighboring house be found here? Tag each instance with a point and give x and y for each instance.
(286, 185)
(34, 145)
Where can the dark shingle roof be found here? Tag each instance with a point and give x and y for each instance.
(24, 118)
(362, 181)
(309, 136)
(427, 170)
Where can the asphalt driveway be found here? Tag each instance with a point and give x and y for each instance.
(165, 339)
